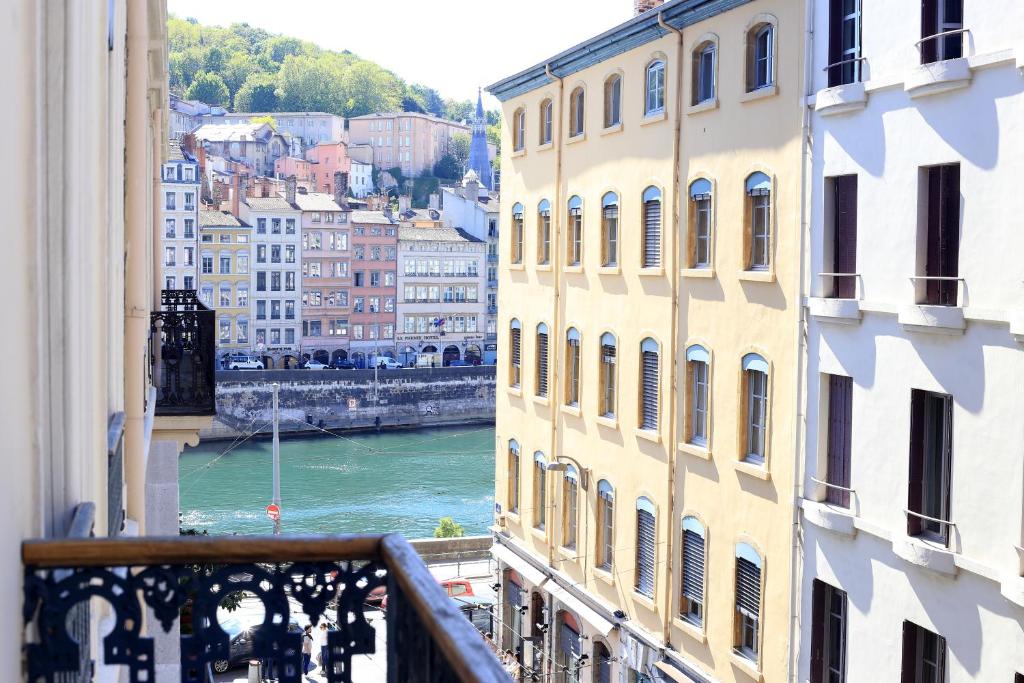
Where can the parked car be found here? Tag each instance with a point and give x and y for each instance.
(459, 364)
(240, 630)
(388, 364)
(243, 361)
(343, 364)
(315, 365)
(456, 589)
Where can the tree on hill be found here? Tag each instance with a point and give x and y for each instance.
(448, 168)
(458, 147)
(429, 99)
(369, 89)
(458, 111)
(307, 83)
(238, 68)
(258, 93)
(209, 88)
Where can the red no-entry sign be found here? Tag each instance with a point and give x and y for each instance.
(274, 512)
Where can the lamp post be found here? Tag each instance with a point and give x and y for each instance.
(561, 467)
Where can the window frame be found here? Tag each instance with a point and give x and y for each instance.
(574, 233)
(570, 508)
(746, 625)
(546, 123)
(516, 235)
(544, 233)
(542, 366)
(519, 130)
(701, 194)
(759, 188)
(577, 112)
(655, 93)
(645, 505)
(605, 543)
(613, 100)
(608, 374)
(539, 491)
(692, 609)
(573, 367)
(703, 90)
(515, 356)
(697, 354)
(610, 233)
(648, 261)
(649, 345)
(754, 365)
(514, 483)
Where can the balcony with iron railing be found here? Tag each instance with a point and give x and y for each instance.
(182, 355)
(183, 581)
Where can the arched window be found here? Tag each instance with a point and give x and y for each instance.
(515, 343)
(546, 109)
(704, 72)
(541, 378)
(651, 252)
(691, 607)
(568, 654)
(539, 490)
(576, 111)
(748, 600)
(610, 229)
(574, 235)
(755, 380)
(572, 367)
(645, 545)
(602, 663)
(605, 525)
(608, 376)
(513, 476)
(519, 130)
(654, 102)
(649, 384)
(570, 506)
(759, 221)
(544, 233)
(760, 56)
(613, 101)
(698, 408)
(700, 222)
(517, 233)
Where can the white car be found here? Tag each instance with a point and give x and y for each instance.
(314, 365)
(388, 364)
(242, 362)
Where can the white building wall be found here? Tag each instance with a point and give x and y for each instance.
(361, 179)
(180, 243)
(269, 239)
(973, 595)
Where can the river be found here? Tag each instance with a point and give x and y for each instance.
(396, 481)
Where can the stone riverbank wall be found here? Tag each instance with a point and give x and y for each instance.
(345, 399)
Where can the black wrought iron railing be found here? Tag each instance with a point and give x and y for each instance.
(182, 354)
(186, 579)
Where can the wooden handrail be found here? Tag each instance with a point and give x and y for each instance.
(120, 552)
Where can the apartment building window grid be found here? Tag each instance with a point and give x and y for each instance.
(605, 525)
(652, 228)
(700, 201)
(649, 384)
(544, 233)
(542, 361)
(574, 235)
(692, 590)
(572, 367)
(610, 230)
(646, 542)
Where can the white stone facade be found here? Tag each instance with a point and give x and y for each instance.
(179, 226)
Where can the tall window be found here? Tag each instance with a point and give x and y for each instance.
(654, 100)
(649, 384)
(748, 601)
(517, 233)
(843, 42)
(704, 73)
(760, 56)
(576, 111)
(541, 379)
(698, 364)
(691, 607)
(602, 663)
(544, 233)
(572, 367)
(613, 101)
(519, 130)
(610, 229)
(546, 109)
(942, 248)
(605, 525)
(574, 235)
(844, 236)
(840, 418)
(755, 380)
(539, 491)
(607, 371)
(513, 476)
(759, 203)
(931, 457)
(515, 342)
(651, 252)
(570, 506)
(828, 633)
(700, 219)
(937, 17)
(924, 655)
(645, 544)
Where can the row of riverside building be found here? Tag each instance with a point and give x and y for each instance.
(298, 265)
(760, 356)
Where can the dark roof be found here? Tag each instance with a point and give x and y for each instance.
(637, 31)
(220, 219)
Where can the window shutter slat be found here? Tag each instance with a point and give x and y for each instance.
(909, 673)
(693, 566)
(845, 247)
(748, 587)
(569, 641)
(652, 234)
(839, 419)
(542, 364)
(916, 476)
(645, 552)
(649, 392)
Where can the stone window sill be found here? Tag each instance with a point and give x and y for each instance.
(519, 153)
(700, 107)
(545, 147)
(838, 311)
(569, 554)
(573, 269)
(757, 275)
(657, 271)
(652, 435)
(761, 93)
(611, 130)
(938, 77)
(752, 470)
(571, 410)
(691, 630)
(515, 391)
(516, 266)
(745, 665)
(543, 267)
(656, 117)
(608, 422)
(609, 270)
(580, 137)
(541, 400)
(697, 272)
(924, 554)
(696, 451)
(540, 534)
(644, 601)
(829, 517)
(948, 320)
(604, 575)
(841, 99)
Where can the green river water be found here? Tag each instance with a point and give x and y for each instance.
(399, 481)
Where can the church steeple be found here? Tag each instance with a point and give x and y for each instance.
(479, 159)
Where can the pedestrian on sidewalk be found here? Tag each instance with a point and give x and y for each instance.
(321, 645)
(307, 649)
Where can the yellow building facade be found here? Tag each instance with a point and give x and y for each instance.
(648, 347)
(225, 255)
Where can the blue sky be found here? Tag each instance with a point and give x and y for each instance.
(451, 46)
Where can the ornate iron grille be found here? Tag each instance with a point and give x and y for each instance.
(182, 354)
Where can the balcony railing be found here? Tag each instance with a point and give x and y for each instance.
(492, 258)
(492, 310)
(427, 637)
(182, 354)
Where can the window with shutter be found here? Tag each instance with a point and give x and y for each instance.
(539, 490)
(609, 230)
(572, 367)
(759, 216)
(513, 476)
(931, 454)
(755, 370)
(943, 237)
(828, 634)
(700, 219)
(924, 655)
(645, 545)
(844, 241)
(544, 233)
(602, 664)
(605, 524)
(844, 42)
(515, 359)
(651, 253)
(748, 600)
(570, 507)
(607, 407)
(840, 415)
(542, 360)
(697, 359)
(649, 384)
(517, 234)
(692, 607)
(574, 235)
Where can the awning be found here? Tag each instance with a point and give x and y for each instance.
(575, 605)
(525, 569)
(676, 670)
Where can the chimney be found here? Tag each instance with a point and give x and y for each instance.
(641, 6)
(243, 187)
(341, 188)
(403, 203)
(472, 189)
(289, 189)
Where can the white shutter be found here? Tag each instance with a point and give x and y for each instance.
(542, 364)
(748, 588)
(693, 566)
(645, 553)
(649, 391)
(652, 234)
(516, 346)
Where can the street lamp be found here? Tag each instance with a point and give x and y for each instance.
(561, 467)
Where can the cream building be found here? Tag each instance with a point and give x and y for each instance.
(224, 279)
(648, 343)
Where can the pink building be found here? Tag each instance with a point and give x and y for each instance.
(317, 170)
(411, 141)
(374, 284)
